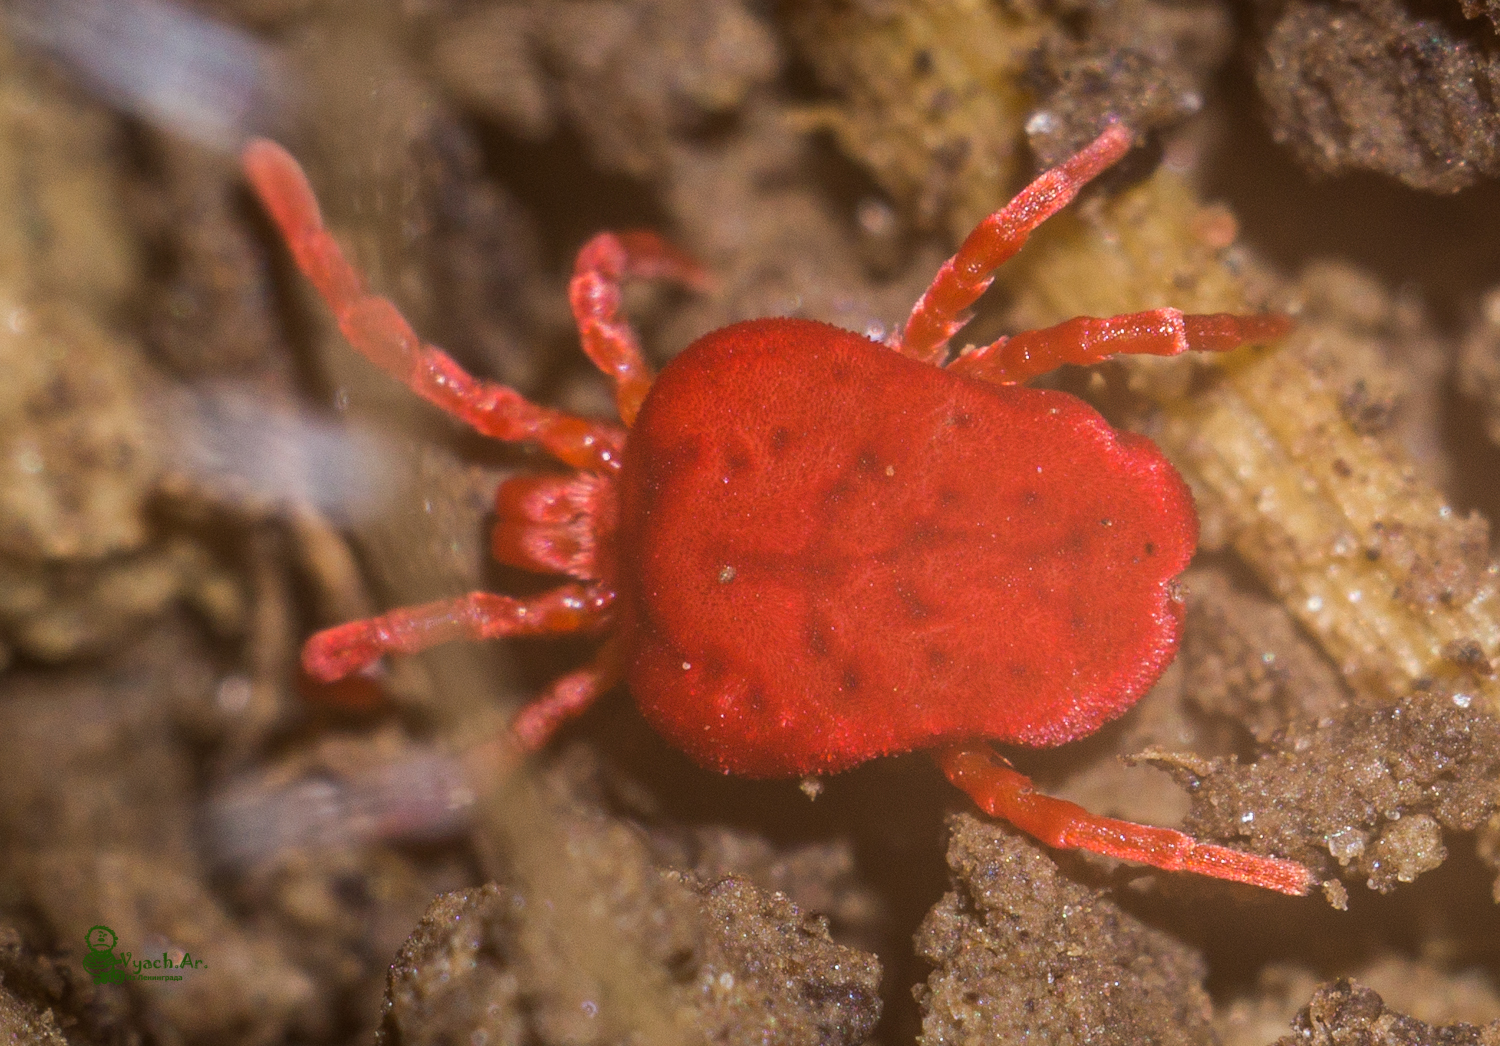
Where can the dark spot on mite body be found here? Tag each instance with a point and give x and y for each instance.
(683, 456)
(817, 642)
(819, 571)
(914, 607)
(867, 460)
(923, 532)
(1150, 548)
(1030, 498)
(781, 437)
(850, 681)
(938, 659)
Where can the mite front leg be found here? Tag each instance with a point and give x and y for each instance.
(1002, 792)
(375, 328)
(569, 697)
(943, 309)
(1085, 340)
(336, 652)
(603, 264)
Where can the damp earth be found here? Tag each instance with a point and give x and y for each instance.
(195, 474)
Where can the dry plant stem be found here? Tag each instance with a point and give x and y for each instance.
(1001, 791)
(931, 96)
(1313, 506)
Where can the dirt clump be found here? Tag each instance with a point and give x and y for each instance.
(1347, 1012)
(1376, 85)
(1363, 792)
(682, 958)
(1023, 953)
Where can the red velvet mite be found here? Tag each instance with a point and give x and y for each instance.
(807, 549)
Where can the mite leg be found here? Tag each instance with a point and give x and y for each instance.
(378, 331)
(1085, 340)
(335, 652)
(603, 264)
(1001, 791)
(943, 309)
(569, 697)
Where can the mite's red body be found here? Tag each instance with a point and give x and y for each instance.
(831, 552)
(807, 549)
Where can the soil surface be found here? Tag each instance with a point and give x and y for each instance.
(198, 844)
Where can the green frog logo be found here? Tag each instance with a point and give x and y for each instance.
(101, 961)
